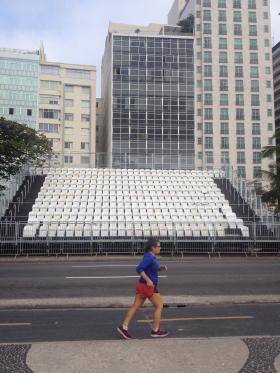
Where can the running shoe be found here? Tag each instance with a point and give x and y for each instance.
(124, 333)
(159, 334)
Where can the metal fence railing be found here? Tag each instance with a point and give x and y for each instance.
(104, 238)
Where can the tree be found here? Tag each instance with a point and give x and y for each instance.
(20, 145)
(271, 195)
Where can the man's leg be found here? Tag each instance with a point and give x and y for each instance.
(158, 304)
(138, 303)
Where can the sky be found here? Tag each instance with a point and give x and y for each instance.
(74, 31)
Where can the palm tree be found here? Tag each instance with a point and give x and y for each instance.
(272, 195)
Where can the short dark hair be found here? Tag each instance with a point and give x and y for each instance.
(152, 242)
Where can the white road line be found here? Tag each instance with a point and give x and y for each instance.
(104, 277)
(106, 265)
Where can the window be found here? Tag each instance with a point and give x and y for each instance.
(253, 30)
(222, 29)
(251, 4)
(207, 28)
(222, 16)
(223, 57)
(207, 15)
(85, 145)
(270, 127)
(199, 126)
(49, 99)
(208, 84)
(239, 86)
(207, 56)
(238, 57)
(49, 113)
(69, 88)
(224, 114)
(68, 159)
(209, 157)
(267, 56)
(208, 128)
(223, 85)
(77, 73)
(265, 2)
(238, 44)
(85, 131)
(253, 44)
(237, 16)
(208, 71)
(84, 160)
(241, 157)
(198, 14)
(223, 71)
(224, 143)
(69, 116)
(198, 55)
(255, 100)
(85, 118)
(224, 128)
(268, 84)
(257, 172)
(252, 17)
(266, 28)
(224, 100)
(29, 112)
(222, 4)
(265, 15)
(236, 4)
(199, 112)
(267, 70)
(254, 58)
(239, 114)
(257, 157)
(85, 90)
(239, 100)
(254, 71)
(254, 85)
(208, 143)
(49, 70)
(256, 129)
(223, 43)
(239, 71)
(85, 104)
(270, 141)
(48, 127)
(255, 114)
(256, 143)
(208, 99)
(224, 157)
(208, 113)
(69, 103)
(68, 130)
(266, 43)
(241, 172)
(11, 111)
(50, 84)
(207, 3)
(237, 30)
(68, 145)
(269, 112)
(240, 143)
(199, 141)
(207, 42)
(240, 130)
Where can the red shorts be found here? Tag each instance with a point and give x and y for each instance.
(145, 291)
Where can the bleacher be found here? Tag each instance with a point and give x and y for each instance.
(122, 203)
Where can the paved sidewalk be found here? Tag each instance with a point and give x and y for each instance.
(205, 355)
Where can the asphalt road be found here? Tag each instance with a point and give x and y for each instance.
(86, 325)
(104, 279)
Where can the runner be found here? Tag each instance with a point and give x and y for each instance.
(148, 269)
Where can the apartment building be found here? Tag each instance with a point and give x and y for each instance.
(67, 112)
(276, 76)
(233, 81)
(148, 97)
(19, 70)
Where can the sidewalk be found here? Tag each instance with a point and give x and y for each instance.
(210, 355)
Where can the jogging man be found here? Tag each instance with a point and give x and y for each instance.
(148, 270)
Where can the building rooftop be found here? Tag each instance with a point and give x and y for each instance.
(150, 30)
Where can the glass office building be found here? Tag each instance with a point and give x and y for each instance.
(19, 71)
(152, 105)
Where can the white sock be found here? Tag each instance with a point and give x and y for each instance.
(125, 327)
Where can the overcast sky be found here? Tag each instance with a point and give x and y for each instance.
(74, 31)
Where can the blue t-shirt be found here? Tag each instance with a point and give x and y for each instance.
(150, 266)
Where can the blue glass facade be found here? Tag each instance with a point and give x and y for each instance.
(19, 72)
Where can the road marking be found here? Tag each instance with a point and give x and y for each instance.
(105, 265)
(15, 324)
(202, 318)
(104, 277)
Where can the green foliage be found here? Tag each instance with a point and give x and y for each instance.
(20, 145)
